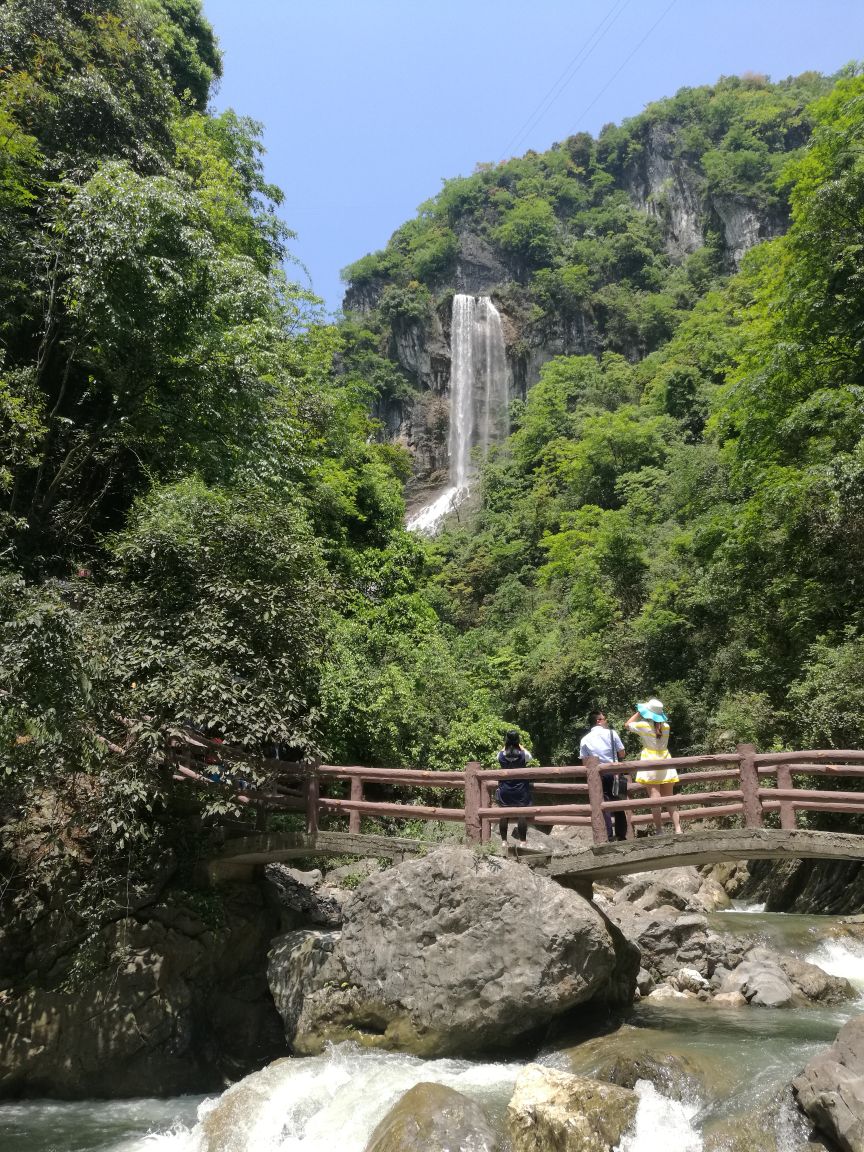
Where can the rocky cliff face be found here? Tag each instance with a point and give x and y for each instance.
(672, 191)
(669, 190)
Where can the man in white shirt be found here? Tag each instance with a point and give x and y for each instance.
(605, 743)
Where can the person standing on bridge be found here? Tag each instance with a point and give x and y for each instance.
(650, 724)
(605, 743)
(514, 793)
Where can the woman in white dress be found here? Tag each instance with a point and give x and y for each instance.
(651, 726)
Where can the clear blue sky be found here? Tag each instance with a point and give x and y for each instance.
(369, 104)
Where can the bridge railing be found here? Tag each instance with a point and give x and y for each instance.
(744, 784)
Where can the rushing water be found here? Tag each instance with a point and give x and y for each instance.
(479, 399)
(744, 1056)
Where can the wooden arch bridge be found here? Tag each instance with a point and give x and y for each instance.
(733, 806)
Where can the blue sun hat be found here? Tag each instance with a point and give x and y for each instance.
(652, 710)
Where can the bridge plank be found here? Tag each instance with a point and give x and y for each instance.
(605, 861)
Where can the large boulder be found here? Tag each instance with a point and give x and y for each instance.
(453, 953)
(432, 1116)
(769, 980)
(776, 1125)
(831, 1088)
(761, 981)
(553, 1111)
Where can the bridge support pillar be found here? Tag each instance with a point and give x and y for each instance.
(472, 803)
(595, 799)
(749, 777)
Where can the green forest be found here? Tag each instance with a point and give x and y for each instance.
(202, 516)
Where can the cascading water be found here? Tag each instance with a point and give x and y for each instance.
(479, 400)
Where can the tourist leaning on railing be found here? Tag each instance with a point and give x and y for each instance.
(514, 793)
(605, 743)
(650, 724)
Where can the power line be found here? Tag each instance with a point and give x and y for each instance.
(618, 72)
(569, 72)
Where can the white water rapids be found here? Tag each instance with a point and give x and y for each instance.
(479, 400)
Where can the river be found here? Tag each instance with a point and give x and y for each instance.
(745, 1057)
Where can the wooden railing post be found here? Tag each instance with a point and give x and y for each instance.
(356, 794)
(312, 788)
(485, 802)
(788, 818)
(472, 803)
(595, 799)
(749, 785)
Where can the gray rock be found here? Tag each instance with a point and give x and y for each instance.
(478, 267)
(744, 225)
(815, 984)
(432, 1116)
(630, 1054)
(350, 875)
(295, 961)
(761, 981)
(451, 954)
(553, 1111)
(666, 939)
(683, 888)
(831, 1088)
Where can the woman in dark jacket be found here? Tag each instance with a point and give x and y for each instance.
(514, 793)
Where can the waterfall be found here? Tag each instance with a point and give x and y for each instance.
(479, 398)
(461, 390)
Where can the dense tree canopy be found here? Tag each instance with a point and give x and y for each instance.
(199, 524)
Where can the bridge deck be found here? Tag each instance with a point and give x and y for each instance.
(604, 861)
(239, 856)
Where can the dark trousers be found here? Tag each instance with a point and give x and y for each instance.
(607, 779)
(515, 794)
(521, 829)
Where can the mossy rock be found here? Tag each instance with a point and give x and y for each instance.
(632, 1054)
(433, 1116)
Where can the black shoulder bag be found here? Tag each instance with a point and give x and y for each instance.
(616, 779)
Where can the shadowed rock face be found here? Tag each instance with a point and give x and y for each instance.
(453, 953)
(169, 1003)
(433, 1116)
(831, 1088)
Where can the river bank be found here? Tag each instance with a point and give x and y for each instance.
(737, 1065)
